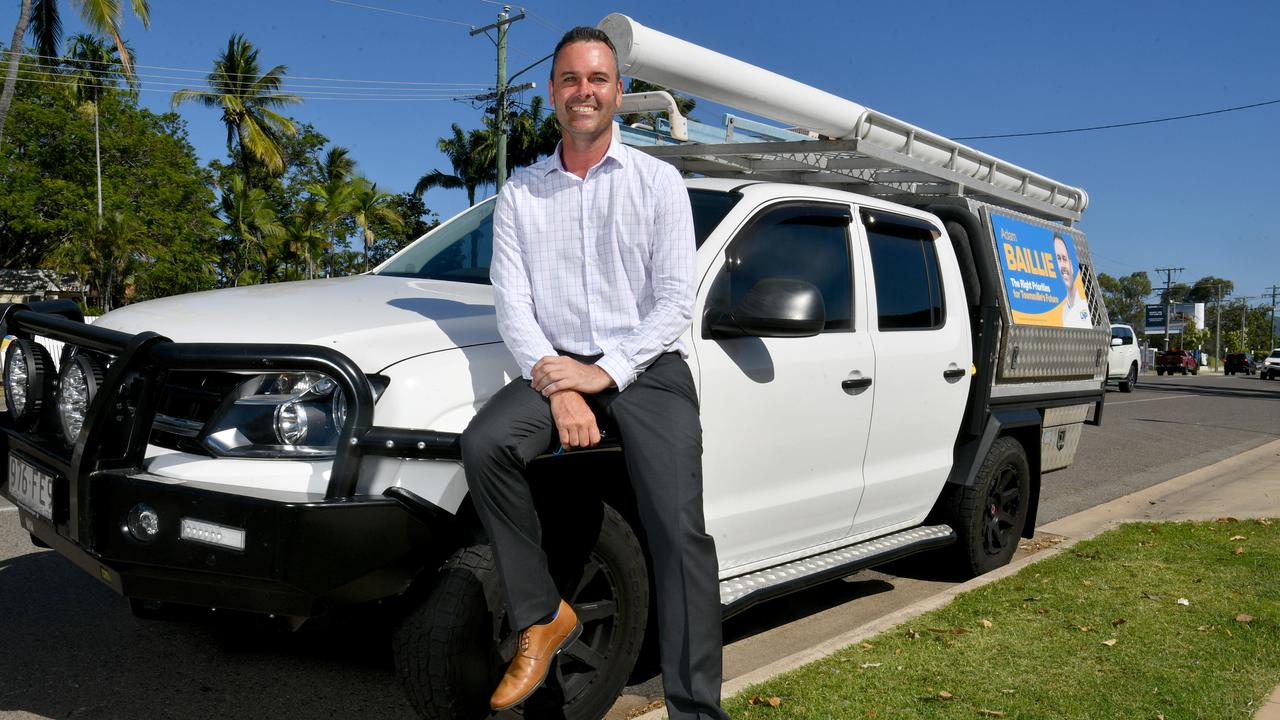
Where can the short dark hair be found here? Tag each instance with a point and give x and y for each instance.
(585, 33)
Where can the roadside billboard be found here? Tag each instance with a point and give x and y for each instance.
(1042, 276)
(1179, 313)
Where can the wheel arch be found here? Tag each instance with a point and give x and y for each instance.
(1021, 424)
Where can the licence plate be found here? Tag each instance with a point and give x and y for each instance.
(32, 488)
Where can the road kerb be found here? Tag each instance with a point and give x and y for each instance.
(1074, 528)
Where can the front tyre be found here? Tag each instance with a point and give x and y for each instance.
(451, 650)
(989, 514)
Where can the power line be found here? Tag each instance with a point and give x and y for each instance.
(1120, 125)
(401, 12)
(305, 96)
(286, 85)
(206, 72)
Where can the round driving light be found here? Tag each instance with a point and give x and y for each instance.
(79, 383)
(291, 423)
(27, 381)
(143, 523)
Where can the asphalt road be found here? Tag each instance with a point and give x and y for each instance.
(70, 648)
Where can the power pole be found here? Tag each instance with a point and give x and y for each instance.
(1168, 282)
(1274, 290)
(1217, 330)
(500, 116)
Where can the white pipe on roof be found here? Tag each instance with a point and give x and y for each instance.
(661, 59)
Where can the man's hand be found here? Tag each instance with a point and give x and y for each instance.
(556, 373)
(574, 419)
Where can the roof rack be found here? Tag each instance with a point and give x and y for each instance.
(832, 142)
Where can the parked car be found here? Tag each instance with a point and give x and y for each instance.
(1180, 361)
(1238, 363)
(1270, 367)
(1122, 360)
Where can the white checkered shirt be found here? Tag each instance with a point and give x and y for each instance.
(601, 266)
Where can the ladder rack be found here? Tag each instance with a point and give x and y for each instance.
(748, 150)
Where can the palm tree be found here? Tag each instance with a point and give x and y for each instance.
(248, 100)
(333, 202)
(251, 222)
(683, 102)
(337, 165)
(95, 68)
(302, 234)
(367, 204)
(471, 155)
(101, 16)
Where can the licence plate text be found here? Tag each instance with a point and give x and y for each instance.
(32, 488)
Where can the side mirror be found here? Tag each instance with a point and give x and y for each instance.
(773, 307)
(1117, 342)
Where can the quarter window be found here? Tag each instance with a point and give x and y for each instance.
(904, 258)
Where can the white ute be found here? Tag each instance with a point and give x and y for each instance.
(895, 337)
(1124, 359)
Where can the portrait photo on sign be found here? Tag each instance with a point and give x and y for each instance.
(1041, 273)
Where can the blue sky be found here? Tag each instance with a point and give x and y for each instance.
(1197, 193)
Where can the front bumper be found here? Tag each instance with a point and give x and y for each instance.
(300, 558)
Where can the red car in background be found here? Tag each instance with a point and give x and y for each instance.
(1177, 361)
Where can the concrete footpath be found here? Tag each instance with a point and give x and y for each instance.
(1245, 486)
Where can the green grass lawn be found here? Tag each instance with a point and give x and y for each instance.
(1148, 620)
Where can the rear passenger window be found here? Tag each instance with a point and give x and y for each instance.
(904, 258)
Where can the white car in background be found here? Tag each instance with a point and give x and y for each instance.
(1270, 367)
(1123, 361)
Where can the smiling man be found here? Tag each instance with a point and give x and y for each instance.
(593, 280)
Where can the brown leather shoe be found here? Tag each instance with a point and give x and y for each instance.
(539, 645)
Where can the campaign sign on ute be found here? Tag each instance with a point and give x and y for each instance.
(1041, 275)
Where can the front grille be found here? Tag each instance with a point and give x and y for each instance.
(187, 402)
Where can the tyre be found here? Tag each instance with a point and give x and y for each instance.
(451, 650)
(989, 514)
(1184, 369)
(1195, 370)
(1130, 380)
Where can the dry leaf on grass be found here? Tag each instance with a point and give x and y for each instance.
(913, 635)
(1184, 601)
(1244, 618)
(1081, 628)
(1042, 611)
(990, 713)
(1118, 622)
(864, 666)
(774, 701)
(1109, 643)
(1238, 551)
(867, 646)
(945, 695)
(1226, 520)
(1238, 537)
(986, 623)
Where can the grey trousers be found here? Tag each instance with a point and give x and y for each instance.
(657, 417)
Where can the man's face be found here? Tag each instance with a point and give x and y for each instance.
(585, 90)
(1066, 270)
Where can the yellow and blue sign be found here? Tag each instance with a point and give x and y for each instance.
(1041, 273)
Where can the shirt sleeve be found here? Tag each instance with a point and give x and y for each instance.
(671, 269)
(513, 291)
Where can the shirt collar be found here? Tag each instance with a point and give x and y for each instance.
(615, 151)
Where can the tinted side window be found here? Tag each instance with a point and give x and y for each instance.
(1126, 337)
(797, 242)
(709, 208)
(904, 258)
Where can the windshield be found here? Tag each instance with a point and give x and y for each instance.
(1275, 354)
(461, 249)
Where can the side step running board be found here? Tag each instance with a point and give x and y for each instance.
(739, 593)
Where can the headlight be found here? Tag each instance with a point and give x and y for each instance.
(28, 380)
(279, 415)
(79, 383)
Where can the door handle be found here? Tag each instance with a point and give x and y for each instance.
(953, 373)
(855, 383)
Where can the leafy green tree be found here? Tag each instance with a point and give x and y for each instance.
(389, 239)
(149, 168)
(471, 156)
(1126, 297)
(110, 250)
(94, 68)
(333, 201)
(45, 21)
(1192, 335)
(303, 235)
(252, 226)
(1208, 289)
(248, 99)
(367, 203)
